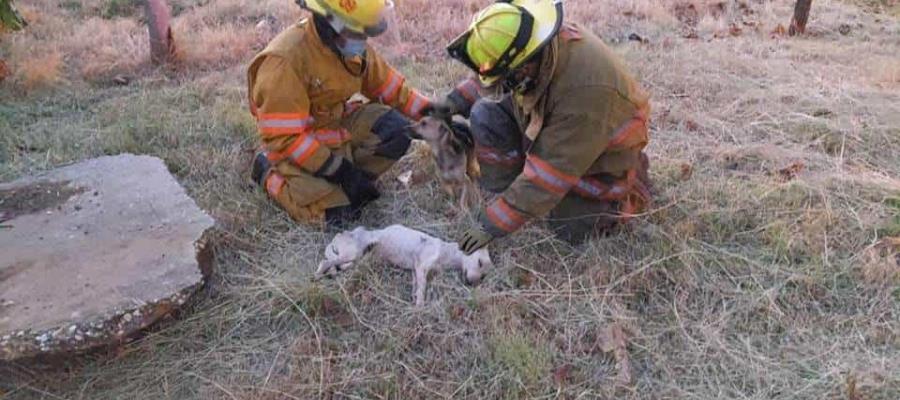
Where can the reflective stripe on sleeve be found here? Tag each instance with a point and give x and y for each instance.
(283, 124)
(504, 217)
(490, 155)
(388, 92)
(332, 136)
(594, 189)
(469, 90)
(634, 126)
(547, 177)
(415, 104)
(300, 150)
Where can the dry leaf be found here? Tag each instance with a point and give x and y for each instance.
(613, 339)
(4, 71)
(791, 171)
(852, 394)
(561, 374)
(691, 125)
(687, 170)
(779, 30)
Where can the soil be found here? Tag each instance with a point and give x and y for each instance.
(35, 198)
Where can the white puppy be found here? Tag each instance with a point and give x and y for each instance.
(406, 248)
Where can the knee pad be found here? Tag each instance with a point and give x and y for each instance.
(493, 126)
(392, 129)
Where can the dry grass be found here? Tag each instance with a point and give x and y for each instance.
(765, 270)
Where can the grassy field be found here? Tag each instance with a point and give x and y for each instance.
(767, 269)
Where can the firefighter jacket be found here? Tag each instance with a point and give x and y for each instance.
(299, 91)
(586, 125)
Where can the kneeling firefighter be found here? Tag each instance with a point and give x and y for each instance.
(320, 152)
(563, 135)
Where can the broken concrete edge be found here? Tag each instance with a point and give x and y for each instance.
(105, 330)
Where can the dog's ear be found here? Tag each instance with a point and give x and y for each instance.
(450, 141)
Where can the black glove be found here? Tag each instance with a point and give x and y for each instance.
(357, 184)
(475, 239)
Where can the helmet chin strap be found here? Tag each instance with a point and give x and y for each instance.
(527, 83)
(520, 86)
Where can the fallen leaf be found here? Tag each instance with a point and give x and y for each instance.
(561, 374)
(791, 171)
(456, 312)
(691, 125)
(852, 394)
(687, 170)
(892, 241)
(524, 279)
(4, 71)
(613, 339)
(779, 30)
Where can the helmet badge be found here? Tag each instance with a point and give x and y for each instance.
(348, 5)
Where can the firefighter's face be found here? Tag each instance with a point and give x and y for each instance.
(524, 78)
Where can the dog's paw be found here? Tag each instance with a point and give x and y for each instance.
(324, 269)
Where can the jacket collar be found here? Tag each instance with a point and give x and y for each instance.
(355, 63)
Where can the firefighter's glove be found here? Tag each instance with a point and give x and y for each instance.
(444, 109)
(475, 239)
(357, 184)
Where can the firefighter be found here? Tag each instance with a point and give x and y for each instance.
(559, 123)
(321, 152)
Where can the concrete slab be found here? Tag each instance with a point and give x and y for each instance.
(93, 252)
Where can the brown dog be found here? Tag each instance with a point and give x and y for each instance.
(454, 157)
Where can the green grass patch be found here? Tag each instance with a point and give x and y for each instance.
(526, 362)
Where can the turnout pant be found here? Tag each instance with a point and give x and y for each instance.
(501, 147)
(377, 139)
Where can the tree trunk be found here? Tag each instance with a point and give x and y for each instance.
(801, 16)
(4, 71)
(162, 43)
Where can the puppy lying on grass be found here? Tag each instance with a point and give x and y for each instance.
(454, 156)
(405, 248)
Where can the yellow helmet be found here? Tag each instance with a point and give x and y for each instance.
(361, 16)
(505, 35)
